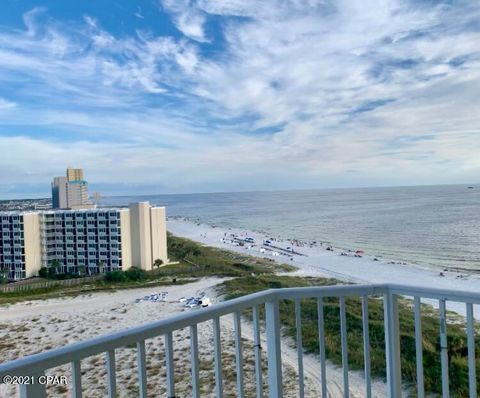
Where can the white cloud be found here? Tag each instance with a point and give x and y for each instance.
(385, 92)
(239, 8)
(5, 104)
(188, 19)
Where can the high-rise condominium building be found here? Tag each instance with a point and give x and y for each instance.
(70, 192)
(77, 194)
(84, 241)
(74, 174)
(59, 193)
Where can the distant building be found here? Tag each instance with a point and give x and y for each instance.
(70, 192)
(59, 193)
(42, 206)
(74, 174)
(86, 241)
(77, 194)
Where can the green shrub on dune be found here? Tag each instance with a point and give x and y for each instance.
(457, 340)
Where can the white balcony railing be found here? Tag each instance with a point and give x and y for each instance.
(36, 365)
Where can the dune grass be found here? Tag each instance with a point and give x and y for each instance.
(457, 341)
(199, 260)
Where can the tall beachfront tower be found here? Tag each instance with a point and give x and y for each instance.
(71, 191)
(74, 174)
(77, 194)
(59, 193)
(77, 189)
(83, 241)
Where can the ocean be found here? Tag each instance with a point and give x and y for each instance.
(431, 226)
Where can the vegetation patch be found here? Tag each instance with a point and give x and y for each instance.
(190, 261)
(457, 340)
(199, 260)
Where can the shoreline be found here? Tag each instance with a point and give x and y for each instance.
(317, 261)
(336, 248)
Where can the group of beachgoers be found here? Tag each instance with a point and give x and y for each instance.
(200, 301)
(153, 297)
(271, 246)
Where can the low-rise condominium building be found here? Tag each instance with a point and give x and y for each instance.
(83, 241)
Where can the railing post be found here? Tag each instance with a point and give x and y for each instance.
(142, 370)
(111, 375)
(366, 348)
(444, 349)
(258, 351)
(194, 361)
(472, 378)
(169, 363)
(392, 345)
(76, 379)
(419, 347)
(321, 340)
(217, 344)
(272, 318)
(238, 353)
(33, 390)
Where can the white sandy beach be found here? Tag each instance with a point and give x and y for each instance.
(320, 262)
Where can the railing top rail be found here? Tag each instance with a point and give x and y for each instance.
(435, 293)
(77, 351)
(330, 291)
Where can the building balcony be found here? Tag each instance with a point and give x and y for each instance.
(267, 331)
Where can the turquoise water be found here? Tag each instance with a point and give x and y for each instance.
(437, 226)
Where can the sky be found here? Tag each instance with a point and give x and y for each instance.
(177, 96)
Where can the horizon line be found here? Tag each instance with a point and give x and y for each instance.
(261, 191)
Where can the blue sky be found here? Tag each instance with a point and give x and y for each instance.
(166, 96)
